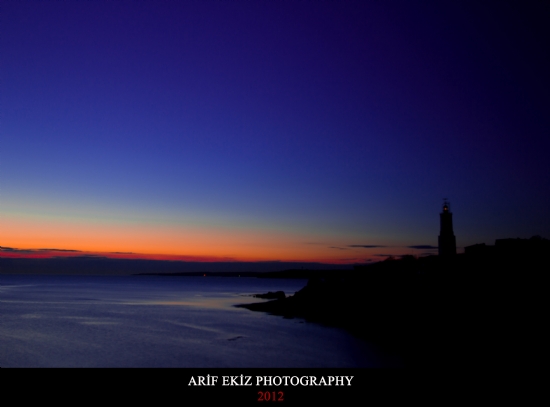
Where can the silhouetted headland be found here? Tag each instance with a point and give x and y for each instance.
(436, 311)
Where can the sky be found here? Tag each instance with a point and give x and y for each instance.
(271, 130)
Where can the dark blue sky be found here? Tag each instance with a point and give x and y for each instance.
(275, 129)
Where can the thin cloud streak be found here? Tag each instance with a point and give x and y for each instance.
(365, 246)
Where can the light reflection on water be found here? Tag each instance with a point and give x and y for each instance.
(206, 303)
(152, 321)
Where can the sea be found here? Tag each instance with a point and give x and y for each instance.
(164, 321)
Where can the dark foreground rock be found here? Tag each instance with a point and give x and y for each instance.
(430, 312)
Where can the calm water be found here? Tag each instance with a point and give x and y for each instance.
(148, 321)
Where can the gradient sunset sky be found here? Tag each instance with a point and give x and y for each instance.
(271, 130)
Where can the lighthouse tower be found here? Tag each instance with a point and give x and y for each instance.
(447, 240)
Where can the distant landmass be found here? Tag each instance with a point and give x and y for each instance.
(91, 265)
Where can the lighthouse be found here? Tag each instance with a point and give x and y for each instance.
(447, 240)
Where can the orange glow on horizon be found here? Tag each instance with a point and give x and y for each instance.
(48, 254)
(47, 238)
